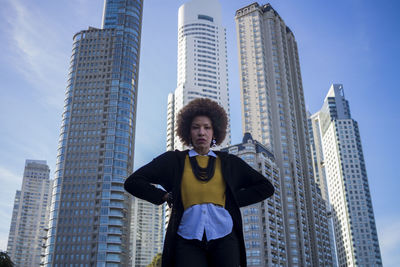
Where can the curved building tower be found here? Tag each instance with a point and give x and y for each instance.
(90, 211)
(202, 62)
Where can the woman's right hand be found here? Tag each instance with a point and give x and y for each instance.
(168, 197)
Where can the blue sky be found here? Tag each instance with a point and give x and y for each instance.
(353, 42)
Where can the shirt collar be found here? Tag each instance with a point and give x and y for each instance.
(193, 153)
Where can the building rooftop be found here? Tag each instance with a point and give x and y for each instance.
(248, 138)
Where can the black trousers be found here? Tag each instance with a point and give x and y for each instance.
(222, 252)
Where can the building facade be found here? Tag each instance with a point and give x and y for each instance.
(320, 180)
(30, 215)
(147, 234)
(273, 111)
(263, 226)
(340, 161)
(202, 62)
(90, 213)
(170, 122)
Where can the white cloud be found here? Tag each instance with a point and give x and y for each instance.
(389, 240)
(36, 51)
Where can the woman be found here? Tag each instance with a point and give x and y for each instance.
(206, 190)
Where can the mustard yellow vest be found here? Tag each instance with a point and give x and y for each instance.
(195, 191)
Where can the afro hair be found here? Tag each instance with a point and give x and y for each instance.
(202, 107)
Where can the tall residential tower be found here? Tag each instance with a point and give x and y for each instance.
(90, 213)
(147, 231)
(202, 62)
(263, 227)
(273, 111)
(340, 162)
(30, 215)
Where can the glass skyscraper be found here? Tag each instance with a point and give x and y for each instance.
(90, 211)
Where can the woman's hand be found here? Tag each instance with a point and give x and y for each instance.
(168, 197)
(165, 197)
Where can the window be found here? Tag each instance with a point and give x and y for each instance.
(205, 17)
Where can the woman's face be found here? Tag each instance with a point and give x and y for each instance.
(201, 133)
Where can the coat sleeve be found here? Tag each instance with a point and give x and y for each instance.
(253, 186)
(159, 171)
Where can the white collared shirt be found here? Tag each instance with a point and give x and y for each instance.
(213, 220)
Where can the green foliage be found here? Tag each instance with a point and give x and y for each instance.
(5, 260)
(156, 262)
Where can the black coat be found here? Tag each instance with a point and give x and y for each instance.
(244, 186)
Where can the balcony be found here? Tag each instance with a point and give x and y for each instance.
(115, 222)
(117, 188)
(113, 257)
(114, 204)
(115, 231)
(116, 213)
(114, 239)
(114, 248)
(117, 196)
(118, 180)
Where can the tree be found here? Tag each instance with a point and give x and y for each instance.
(5, 260)
(156, 262)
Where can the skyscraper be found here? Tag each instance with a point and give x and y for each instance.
(170, 122)
(263, 227)
(273, 111)
(147, 232)
(342, 165)
(202, 62)
(90, 214)
(320, 179)
(30, 215)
